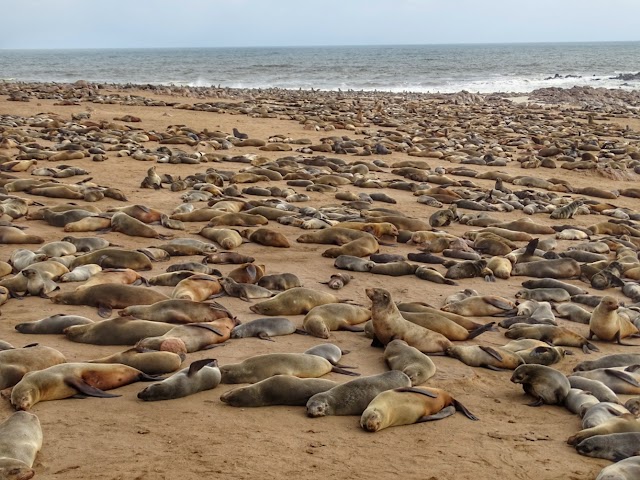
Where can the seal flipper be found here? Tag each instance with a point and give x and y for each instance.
(625, 377)
(198, 365)
(104, 310)
(480, 330)
(537, 403)
(461, 408)
(619, 341)
(426, 393)
(493, 352)
(444, 413)
(86, 389)
(206, 327)
(498, 303)
(337, 369)
(300, 332)
(351, 328)
(265, 336)
(376, 342)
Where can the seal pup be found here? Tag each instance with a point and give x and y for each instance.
(601, 413)
(338, 280)
(406, 406)
(334, 316)
(578, 400)
(389, 324)
(328, 351)
(544, 384)
(613, 446)
(55, 324)
(479, 306)
(398, 355)
(69, 379)
(607, 325)
(20, 442)
(200, 376)
(277, 390)
(116, 331)
(259, 367)
(265, 328)
(557, 336)
(352, 398)
(618, 379)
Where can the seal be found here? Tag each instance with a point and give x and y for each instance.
(69, 379)
(244, 291)
(200, 376)
(265, 328)
(398, 355)
(557, 336)
(353, 264)
(150, 362)
(544, 294)
(493, 358)
(87, 244)
(55, 324)
(247, 273)
(294, 301)
(352, 398)
(334, 316)
(116, 331)
(626, 469)
(601, 413)
(542, 355)
(280, 282)
(406, 406)
(338, 280)
(81, 273)
(170, 279)
(595, 387)
(622, 424)
(360, 247)
(277, 390)
(328, 351)
(109, 296)
(477, 306)
(613, 446)
(13, 235)
(225, 237)
(544, 384)
(607, 325)
(332, 236)
(17, 362)
(559, 268)
(123, 223)
(197, 288)
(578, 400)
(618, 379)
(20, 442)
(187, 247)
(259, 367)
(222, 258)
(177, 311)
(444, 326)
(266, 237)
(388, 324)
(191, 337)
(115, 258)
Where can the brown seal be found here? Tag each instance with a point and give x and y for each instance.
(406, 406)
(558, 336)
(247, 273)
(545, 384)
(265, 328)
(89, 224)
(259, 367)
(332, 236)
(607, 325)
(388, 324)
(277, 390)
(120, 276)
(445, 326)
(116, 331)
(493, 358)
(225, 237)
(294, 301)
(191, 337)
(69, 379)
(222, 258)
(15, 235)
(177, 311)
(398, 355)
(334, 316)
(54, 324)
(20, 442)
(266, 237)
(338, 280)
(360, 247)
(16, 362)
(150, 362)
(115, 258)
(201, 375)
(625, 423)
(108, 296)
(244, 291)
(197, 288)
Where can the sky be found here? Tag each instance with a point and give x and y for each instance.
(36, 24)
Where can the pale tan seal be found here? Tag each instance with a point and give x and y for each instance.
(334, 316)
(200, 376)
(493, 358)
(69, 379)
(625, 423)
(545, 384)
(294, 301)
(406, 406)
(259, 367)
(360, 247)
(191, 337)
(20, 442)
(14, 235)
(558, 336)
(247, 273)
(445, 326)
(607, 325)
(352, 398)
(197, 288)
(16, 362)
(627, 469)
(277, 390)
(398, 355)
(151, 362)
(115, 258)
(478, 306)
(266, 237)
(388, 324)
(177, 311)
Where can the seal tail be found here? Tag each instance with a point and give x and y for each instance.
(480, 330)
(531, 247)
(461, 408)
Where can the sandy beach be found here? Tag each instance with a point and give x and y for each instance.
(199, 436)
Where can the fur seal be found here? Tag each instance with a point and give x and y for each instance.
(406, 406)
(388, 324)
(328, 351)
(608, 361)
(16, 362)
(478, 306)
(353, 264)
(81, 273)
(545, 384)
(334, 316)
(197, 288)
(177, 311)
(338, 280)
(187, 247)
(150, 362)
(191, 337)
(595, 387)
(264, 328)
(116, 331)
(622, 424)
(200, 376)
(280, 282)
(578, 400)
(247, 273)
(360, 247)
(54, 324)
(607, 325)
(259, 367)
(244, 291)
(445, 326)
(266, 237)
(20, 442)
(225, 237)
(553, 283)
(352, 398)
(559, 268)
(221, 258)
(612, 446)
(13, 235)
(398, 355)
(294, 301)
(277, 390)
(558, 336)
(493, 358)
(109, 296)
(115, 258)
(69, 379)
(618, 379)
(627, 469)
(544, 294)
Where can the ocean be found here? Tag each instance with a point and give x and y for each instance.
(417, 68)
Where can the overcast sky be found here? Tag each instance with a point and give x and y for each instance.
(229, 23)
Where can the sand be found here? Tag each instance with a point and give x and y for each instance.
(199, 437)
